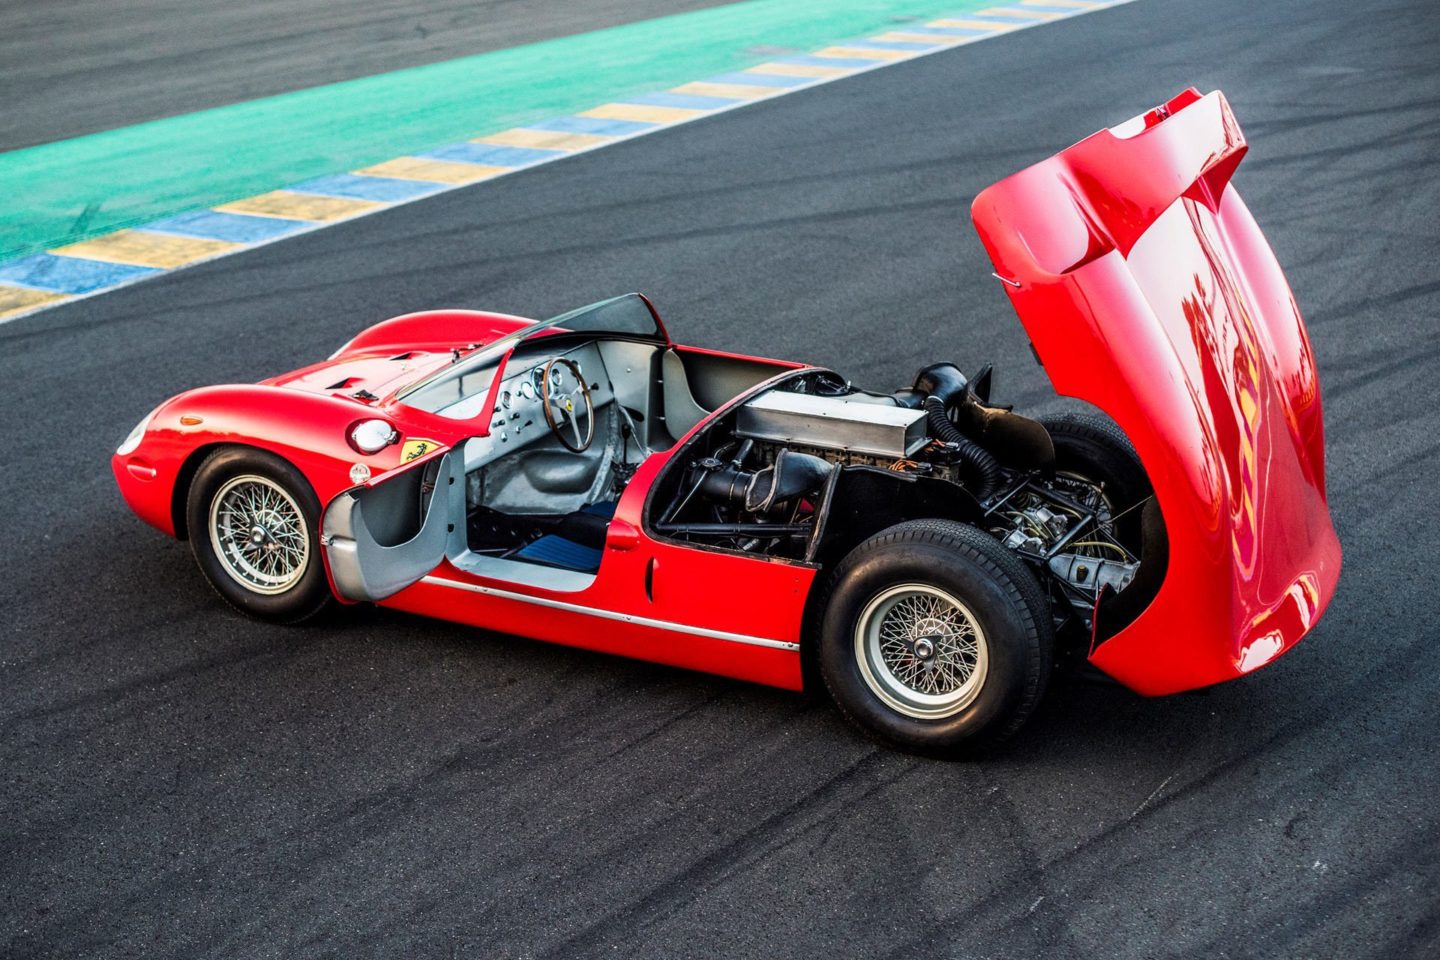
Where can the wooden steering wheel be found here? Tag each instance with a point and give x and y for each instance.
(560, 407)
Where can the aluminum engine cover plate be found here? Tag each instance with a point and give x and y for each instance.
(833, 423)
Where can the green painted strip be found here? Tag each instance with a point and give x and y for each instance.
(76, 189)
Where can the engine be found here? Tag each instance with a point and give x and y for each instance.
(1068, 525)
(853, 423)
(768, 473)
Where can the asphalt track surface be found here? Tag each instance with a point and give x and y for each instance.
(178, 781)
(72, 67)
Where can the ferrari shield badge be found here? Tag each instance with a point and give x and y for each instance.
(414, 449)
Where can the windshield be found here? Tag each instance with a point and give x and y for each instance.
(629, 314)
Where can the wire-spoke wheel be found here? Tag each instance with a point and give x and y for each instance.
(260, 535)
(253, 521)
(921, 651)
(935, 638)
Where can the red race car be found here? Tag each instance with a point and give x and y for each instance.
(929, 554)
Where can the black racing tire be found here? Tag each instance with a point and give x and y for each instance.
(997, 596)
(1095, 449)
(299, 591)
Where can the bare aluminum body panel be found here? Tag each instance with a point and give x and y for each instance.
(833, 423)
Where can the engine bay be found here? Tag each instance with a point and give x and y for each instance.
(804, 471)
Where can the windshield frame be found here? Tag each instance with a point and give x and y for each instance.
(498, 351)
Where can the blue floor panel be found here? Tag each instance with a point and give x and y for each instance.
(555, 551)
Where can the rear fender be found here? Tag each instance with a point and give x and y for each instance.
(1149, 291)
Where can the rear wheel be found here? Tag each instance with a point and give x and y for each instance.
(254, 528)
(935, 638)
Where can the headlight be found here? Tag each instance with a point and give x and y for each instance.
(372, 436)
(133, 438)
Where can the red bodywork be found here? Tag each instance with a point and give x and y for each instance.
(1147, 290)
(297, 417)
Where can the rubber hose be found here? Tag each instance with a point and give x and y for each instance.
(984, 468)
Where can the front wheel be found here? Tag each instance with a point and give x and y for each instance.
(935, 638)
(254, 528)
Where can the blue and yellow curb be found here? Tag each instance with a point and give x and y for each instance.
(64, 274)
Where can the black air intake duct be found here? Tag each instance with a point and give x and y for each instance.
(792, 475)
(944, 386)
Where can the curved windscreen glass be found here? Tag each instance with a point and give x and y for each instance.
(629, 315)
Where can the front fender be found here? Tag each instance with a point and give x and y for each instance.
(432, 330)
(308, 430)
